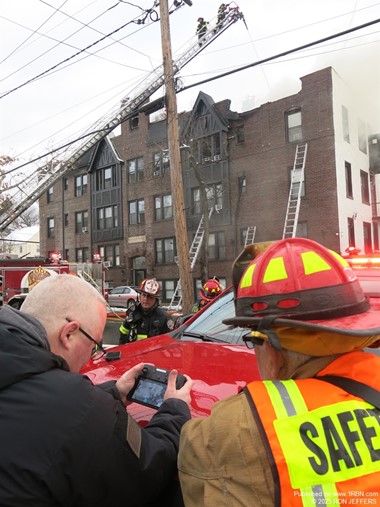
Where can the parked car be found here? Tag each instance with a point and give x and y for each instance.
(122, 297)
(213, 354)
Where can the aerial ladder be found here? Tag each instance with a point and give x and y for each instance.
(294, 201)
(44, 177)
(195, 248)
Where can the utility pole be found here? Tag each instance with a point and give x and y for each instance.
(175, 162)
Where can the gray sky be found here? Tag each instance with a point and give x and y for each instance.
(63, 103)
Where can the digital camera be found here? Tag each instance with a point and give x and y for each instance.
(150, 386)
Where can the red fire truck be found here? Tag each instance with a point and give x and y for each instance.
(19, 276)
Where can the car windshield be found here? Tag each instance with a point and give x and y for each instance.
(209, 325)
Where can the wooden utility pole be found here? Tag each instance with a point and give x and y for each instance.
(175, 162)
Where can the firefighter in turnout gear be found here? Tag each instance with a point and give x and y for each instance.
(201, 29)
(207, 293)
(308, 433)
(145, 319)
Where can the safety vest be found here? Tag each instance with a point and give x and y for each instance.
(323, 444)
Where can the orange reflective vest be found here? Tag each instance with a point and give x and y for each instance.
(323, 443)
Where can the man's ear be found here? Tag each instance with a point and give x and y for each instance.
(66, 334)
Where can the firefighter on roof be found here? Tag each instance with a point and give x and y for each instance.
(308, 433)
(146, 318)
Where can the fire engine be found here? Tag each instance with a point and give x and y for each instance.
(19, 276)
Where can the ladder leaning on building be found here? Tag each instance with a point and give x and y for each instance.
(294, 202)
(176, 300)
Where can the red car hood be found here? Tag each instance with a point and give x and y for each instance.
(218, 370)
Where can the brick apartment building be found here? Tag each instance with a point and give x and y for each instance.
(118, 202)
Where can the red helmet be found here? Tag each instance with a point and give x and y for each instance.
(210, 289)
(297, 282)
(149, 286)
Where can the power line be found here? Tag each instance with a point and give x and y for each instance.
(147, 13)
(280, 55)
(34, 31)
(219, 76)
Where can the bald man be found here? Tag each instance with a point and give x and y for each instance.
(63, 440)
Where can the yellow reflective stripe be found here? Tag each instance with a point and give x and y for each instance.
(281, 405)
(275, 270)
(246, 280)
(340, 259)
(313, 263)
(142, 336)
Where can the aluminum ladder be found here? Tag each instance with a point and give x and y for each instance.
(294, 202)
(250, 236)
(193, 254)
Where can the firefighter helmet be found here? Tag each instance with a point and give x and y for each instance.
(149, 286)
(299, 283)
(210, 289)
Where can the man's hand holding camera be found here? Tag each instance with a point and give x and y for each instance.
(127, 381)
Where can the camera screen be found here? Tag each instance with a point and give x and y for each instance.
(149, 391)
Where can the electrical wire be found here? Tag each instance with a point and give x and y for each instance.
(219, 76)
(148, 13)
(34, 31)
(280, 55)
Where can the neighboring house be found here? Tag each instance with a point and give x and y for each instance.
(118, 201)
(23, 242)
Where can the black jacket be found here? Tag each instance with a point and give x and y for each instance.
(64, 441)
(139, 324)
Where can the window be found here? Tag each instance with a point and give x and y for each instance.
(364, 184)
(301, 231)
(110, 254)
(67, 256)
(135, 170)
(105, 178)
(214, 195)
(66, 220)
(242, 181)
(294, 178)
(65, 183)
(367, 237)
(345, 124)
(351, 231)
(216, 246)
(134, 122)
(165, 250)
(163, 207)
(349, 193)
(50, 194)
(81, 185)
(240, 135)
(294, 125)
(107, 218)
(82, 255)
(167, 289)
(81, 222)
(50, 227)
(161, 163)
(362, 137)
(210, 148)
(136, 212)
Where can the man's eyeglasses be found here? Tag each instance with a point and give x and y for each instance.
(98, 351)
